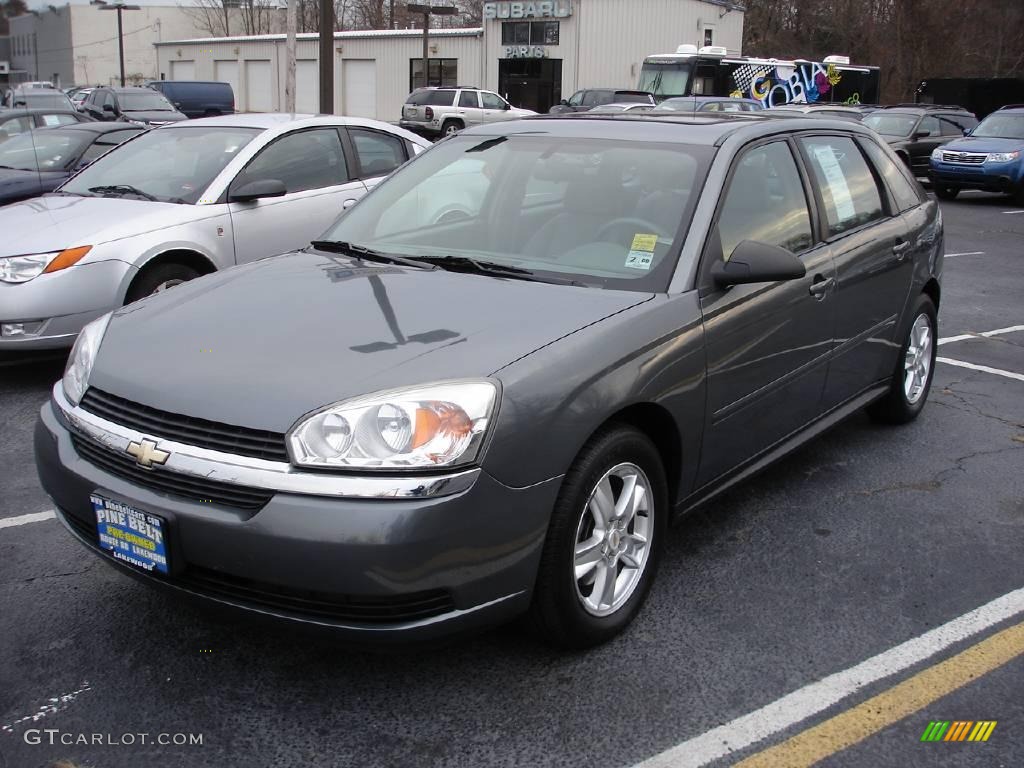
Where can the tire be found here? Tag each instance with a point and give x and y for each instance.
(904, 400)
(159, 278)
(450, 127)
(1018, 197)
(567, 611)
(946, 192)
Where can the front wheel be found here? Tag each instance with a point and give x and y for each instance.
(604, 541)
(912, 379)
(159, 278)
(946, 192)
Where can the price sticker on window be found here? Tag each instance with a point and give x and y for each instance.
(641, 252)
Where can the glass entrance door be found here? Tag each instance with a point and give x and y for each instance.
(531, 83)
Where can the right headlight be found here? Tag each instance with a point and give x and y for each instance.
(428, 427)
(83, 355)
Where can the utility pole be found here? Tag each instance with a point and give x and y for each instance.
(289, 58)
(428, 11)
(326, 57)
(119, 7)
(391, 15)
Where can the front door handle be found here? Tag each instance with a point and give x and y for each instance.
(820, 286)
(900, 249)
(348, 204)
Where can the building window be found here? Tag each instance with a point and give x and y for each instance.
(443, 73)
(709, 36)
(529, 33)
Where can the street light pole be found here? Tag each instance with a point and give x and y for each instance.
(428, 11)
(119, 7)
(327, 57)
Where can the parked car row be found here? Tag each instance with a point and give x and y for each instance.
(433, 419)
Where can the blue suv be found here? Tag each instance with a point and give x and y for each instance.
(990, 158)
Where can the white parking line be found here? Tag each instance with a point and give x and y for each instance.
(982, 368)
(1013, 212)
(983, 334)
(35, 517)
(967, 253)
(817, 697)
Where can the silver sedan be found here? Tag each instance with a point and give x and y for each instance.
(178, 202)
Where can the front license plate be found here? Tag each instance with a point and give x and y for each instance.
(131, 535)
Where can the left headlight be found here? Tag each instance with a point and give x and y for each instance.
(83, 355)
(1002, 157)
(437, 425)
(936, 154)
(21, 269)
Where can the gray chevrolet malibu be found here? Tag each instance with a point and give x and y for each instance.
(457, 408)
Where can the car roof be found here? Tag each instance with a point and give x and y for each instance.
(128, 88)
(15, 111)
(709, 129)
(710, 99)
(281, 122)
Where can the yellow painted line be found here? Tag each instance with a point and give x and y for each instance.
(912, 695)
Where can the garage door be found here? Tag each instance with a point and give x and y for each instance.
(227, 72)
(259, 96)
(183, 70)
(307, 86)
(359, 93)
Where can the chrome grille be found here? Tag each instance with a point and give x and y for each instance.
(965, 158)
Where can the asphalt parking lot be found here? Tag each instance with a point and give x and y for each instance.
(864, 541)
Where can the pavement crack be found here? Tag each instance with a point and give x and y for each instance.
(30, 579)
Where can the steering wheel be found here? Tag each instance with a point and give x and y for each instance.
(635, 225)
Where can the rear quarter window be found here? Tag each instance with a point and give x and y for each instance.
(432, 98)
(905, 191)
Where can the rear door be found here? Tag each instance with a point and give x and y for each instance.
(315, 171)
(920, 149)
(870, 246)
(768, 344)
(468, 108)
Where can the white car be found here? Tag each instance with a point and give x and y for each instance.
(177, 202)
(446, 111)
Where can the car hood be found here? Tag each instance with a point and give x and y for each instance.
(982, 144)
(156, 116)
(262, 344)
(16, 183)
(51, 223)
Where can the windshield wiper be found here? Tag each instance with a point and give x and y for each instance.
(480, 267)
(368, 254)
(122, 189)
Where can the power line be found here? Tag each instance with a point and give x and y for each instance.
(95, 42)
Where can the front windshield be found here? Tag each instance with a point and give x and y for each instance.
(141, 101)
(601, 212)
(173, 165)
(998, 126)
(664, 79)
(889, 124)
(50, 150)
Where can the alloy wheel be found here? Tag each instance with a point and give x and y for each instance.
(917, 363)
(167, 284)
(613, 539)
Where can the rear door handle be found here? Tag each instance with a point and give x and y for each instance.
(900, 249)
(820, 286)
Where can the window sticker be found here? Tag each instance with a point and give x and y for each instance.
(841, 197)
(51, 120)
(641, 252)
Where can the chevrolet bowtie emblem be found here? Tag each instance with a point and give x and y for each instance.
(146, 453)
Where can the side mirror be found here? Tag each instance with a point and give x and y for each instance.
(968, 131)
(108, 108)
(920, 135)
(257, 190)
(564, 103)
(754, 262)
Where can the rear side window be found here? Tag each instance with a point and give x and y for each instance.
(596, 98)
(904, 191)
(765, 202)
(379, 153)
(468, 99)
(848, 187)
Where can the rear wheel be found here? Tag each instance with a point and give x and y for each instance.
(912, 378)
(450, 127)
(946, 191)
(604, 541)
(159, 278)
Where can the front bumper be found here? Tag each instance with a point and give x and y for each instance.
(1001, 177)
(54, 307)
(375, 569)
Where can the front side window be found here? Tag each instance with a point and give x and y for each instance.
(379, 153)
(765, 202)
(889, 124)
(604, 212)
(491, 100)
(302, 160)
(929, 125)
(170, 164)
(577, 99)
(951, 127)
(848, 187)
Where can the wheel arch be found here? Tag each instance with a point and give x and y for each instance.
(933, 291)
(185, 256)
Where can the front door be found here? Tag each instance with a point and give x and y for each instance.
(313, 167)
(873, 269)
(920, 149)
(767, 344)
(531, 83)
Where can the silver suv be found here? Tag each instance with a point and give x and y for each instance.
(444, 111)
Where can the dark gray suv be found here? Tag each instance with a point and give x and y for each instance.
(424, 423)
